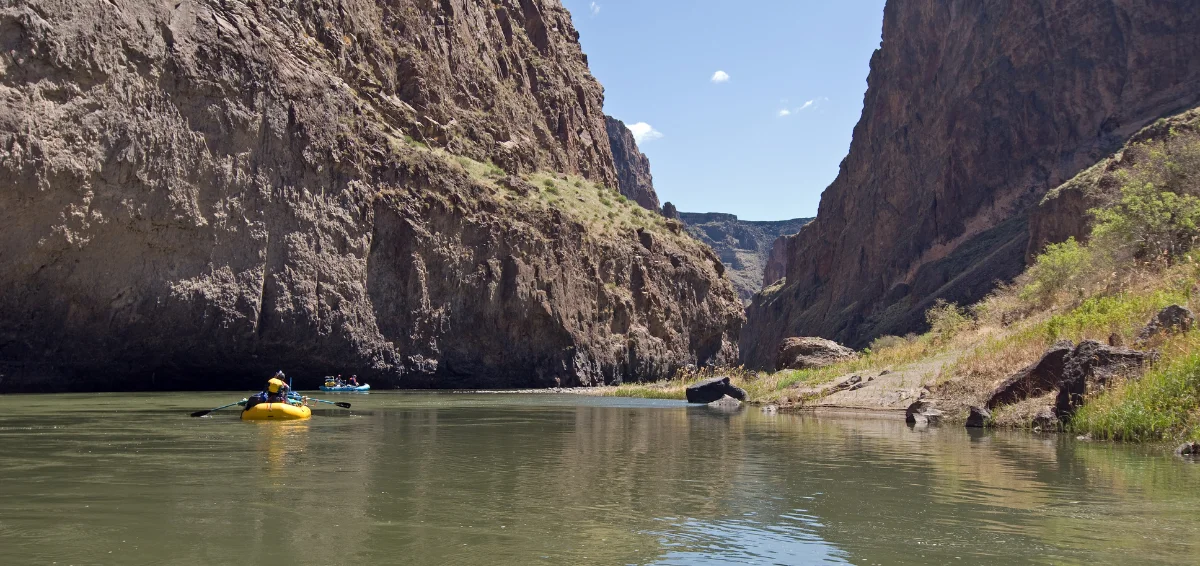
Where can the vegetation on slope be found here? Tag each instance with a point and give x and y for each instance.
(1141, 255)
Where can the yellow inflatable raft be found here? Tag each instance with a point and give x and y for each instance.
(276, 412)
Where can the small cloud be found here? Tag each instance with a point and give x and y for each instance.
(643, 132)
(594, 9)
(806, 105)
(784, 112)
(720, 77)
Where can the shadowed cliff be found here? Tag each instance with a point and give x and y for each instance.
(973, 111)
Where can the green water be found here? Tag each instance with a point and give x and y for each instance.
(528, 479)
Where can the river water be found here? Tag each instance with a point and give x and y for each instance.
(451, 478)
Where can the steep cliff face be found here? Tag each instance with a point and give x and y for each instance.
(973, 111)
(633, 168)
(742, 245)
(776, 267)
(194, 193)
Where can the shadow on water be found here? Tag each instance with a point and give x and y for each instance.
(512, 479)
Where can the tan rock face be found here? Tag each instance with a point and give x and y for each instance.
(193, 194)
(633, 168)
(974, 110)
(810, 353)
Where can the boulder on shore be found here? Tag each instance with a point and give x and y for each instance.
(1089, 369)
(1036, 379)
(922, 412)
(979, 417)
(1189, 449)
(810, 352)
(714, 389)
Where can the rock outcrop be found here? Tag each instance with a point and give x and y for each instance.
(194, 194)
(633, 168)
(1090, 368)
(1039, 378)
(974, 110)
(1173, 319)
(742, 245)
(810, 353)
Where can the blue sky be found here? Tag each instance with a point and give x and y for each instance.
(763, 138)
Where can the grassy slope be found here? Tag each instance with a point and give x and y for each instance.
(1098, 293)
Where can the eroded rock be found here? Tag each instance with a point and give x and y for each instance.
(810, 352)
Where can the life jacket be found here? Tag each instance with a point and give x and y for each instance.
(275, 385)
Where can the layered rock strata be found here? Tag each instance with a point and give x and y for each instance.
(194, 194)
(744, 246)
(973, 111)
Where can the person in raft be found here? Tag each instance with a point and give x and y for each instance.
(277, 389)
(353, 381)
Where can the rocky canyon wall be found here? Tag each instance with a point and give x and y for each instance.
(195, 193)
(633, 168)
(973, 111)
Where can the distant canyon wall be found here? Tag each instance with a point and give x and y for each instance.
(744, 246)
(973, 111)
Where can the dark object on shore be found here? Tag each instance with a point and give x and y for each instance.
(979, 417)
(1172, 319)
(1188, 450)
(1089, 369)
(1036, 379)
(809, 353)
(713, 389)
(922, 412)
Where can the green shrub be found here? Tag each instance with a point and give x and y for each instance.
(1159, 406)
(886, 342)
(605, 201)
(946, 320)
(552, 189)
(1060, 265)
(548, 183)
(1148, 224)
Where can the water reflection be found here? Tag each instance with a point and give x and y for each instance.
(456, 479)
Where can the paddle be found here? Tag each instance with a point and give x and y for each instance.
(202, 413)
(341, 404)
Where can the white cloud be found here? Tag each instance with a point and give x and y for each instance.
(784, 112)
(643, 132)
(806, 105)
(720, 77)
(595, 9)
